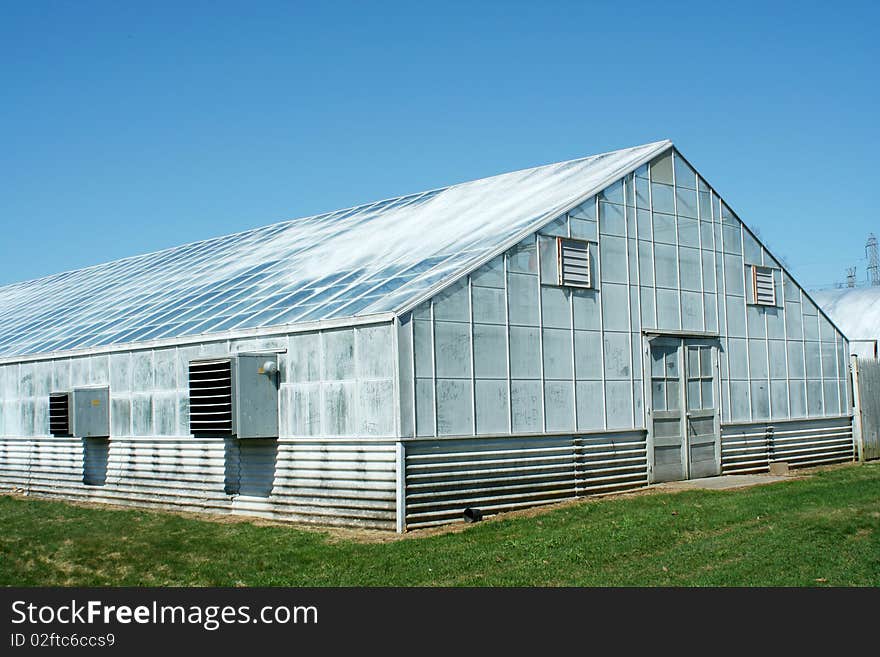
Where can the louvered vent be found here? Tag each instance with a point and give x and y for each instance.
(574, 262)
(210, 397)
(765, 290)
(59, 413)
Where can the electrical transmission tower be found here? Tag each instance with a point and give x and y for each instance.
(873, 260)
(850, 276)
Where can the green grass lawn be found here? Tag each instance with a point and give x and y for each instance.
(823, 530)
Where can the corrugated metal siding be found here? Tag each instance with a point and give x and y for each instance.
(611, 462)
(327, 483)
(752, 447)
(443, 477)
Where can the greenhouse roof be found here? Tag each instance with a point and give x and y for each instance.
(855, 310)
(370, 259)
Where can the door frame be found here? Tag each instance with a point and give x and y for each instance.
(681, 339)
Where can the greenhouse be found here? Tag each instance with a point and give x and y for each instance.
(582, 327)
(857, 312)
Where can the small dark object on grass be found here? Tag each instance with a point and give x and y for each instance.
(472, 515)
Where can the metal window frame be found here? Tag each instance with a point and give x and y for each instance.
(755, 273)
(560, 262)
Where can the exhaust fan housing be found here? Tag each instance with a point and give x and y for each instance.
(235, 396)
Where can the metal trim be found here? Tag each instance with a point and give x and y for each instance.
(542, 379)
(240, 334)
(501, 436)
(400, 487)
(653, 334)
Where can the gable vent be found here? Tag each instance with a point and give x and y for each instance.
(574, 262)
(765, 289)
(59, 413)
(210, 397)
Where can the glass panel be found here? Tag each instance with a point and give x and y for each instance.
(693, 395)
(688, 232)
(490, 351)
(525, 353)
(692, 310)
(693, 356)
(665, 265)
(686, 202)
(684, 175)
(615, 307)
(732, 239)
(522, 293)
(557, 354)
(707, 239)
(751, 249)
(664, 228)
(643, 224)
(555, 307)
(586, 210)
(672, 363)
(523, 257)
(708, 259)
(668, 309)
(760, 400)
(662, 198)
(706, 361)
(548, 254)
(709, 302)
(646, 263)
(613, 193)
(490, 275)
(707, 394)
(690, 268)
(658, 367)
(558, 226)
(658, 394)
(661, 168)
(642, 193)
(673, 398)
(705, 207)
(614, 259)
(583, 229)
(611, 219)
(727, 215)
(588, 354)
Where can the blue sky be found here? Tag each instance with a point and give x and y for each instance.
(130, 127)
